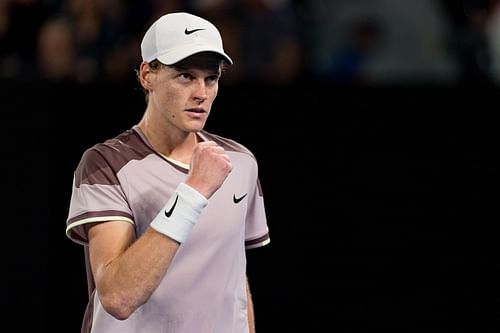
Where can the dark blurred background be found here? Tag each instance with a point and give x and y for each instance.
(374, 124)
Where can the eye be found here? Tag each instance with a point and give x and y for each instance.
(212, 78)
(185, 76)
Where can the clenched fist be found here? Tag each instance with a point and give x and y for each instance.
(209, 167)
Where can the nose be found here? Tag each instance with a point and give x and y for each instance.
(200, 91)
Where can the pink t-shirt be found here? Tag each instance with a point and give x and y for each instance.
(124, 179)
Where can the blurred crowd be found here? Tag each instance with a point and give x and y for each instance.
(271, 41)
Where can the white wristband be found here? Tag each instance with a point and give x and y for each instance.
(180, 214)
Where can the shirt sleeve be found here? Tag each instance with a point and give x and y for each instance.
(97, 196)
(256, 229)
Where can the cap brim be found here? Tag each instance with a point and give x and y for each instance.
(181, 53)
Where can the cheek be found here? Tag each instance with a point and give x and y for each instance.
(214, 94)
(171, 100)
(173, 103)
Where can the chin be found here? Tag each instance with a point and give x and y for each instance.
(198, 126)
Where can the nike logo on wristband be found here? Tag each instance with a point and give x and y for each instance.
(189, 32)
(236, 200)
(170, 211)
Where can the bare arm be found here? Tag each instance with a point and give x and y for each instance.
(127, 271)
(251, 318)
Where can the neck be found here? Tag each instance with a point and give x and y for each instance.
(172, 143)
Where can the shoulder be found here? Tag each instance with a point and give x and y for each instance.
(110, 156)
(124, 147)
(228, 144)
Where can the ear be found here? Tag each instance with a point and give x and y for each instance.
(145, 75)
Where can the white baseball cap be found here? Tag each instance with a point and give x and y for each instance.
(176, 36)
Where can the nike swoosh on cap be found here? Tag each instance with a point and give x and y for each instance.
(189, 32)
(171, 210)
(236, 200)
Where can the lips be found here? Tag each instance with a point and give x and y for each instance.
(196, 113)
(196, 110)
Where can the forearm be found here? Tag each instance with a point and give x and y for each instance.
(127, 281)
(128, 276)
(250, 310)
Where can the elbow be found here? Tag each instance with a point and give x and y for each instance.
(118, 306)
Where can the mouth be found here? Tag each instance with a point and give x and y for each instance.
(196, 110)
(196, 113)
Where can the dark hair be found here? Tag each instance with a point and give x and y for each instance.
(201, 60)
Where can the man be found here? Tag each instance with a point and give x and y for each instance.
(165, 209)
